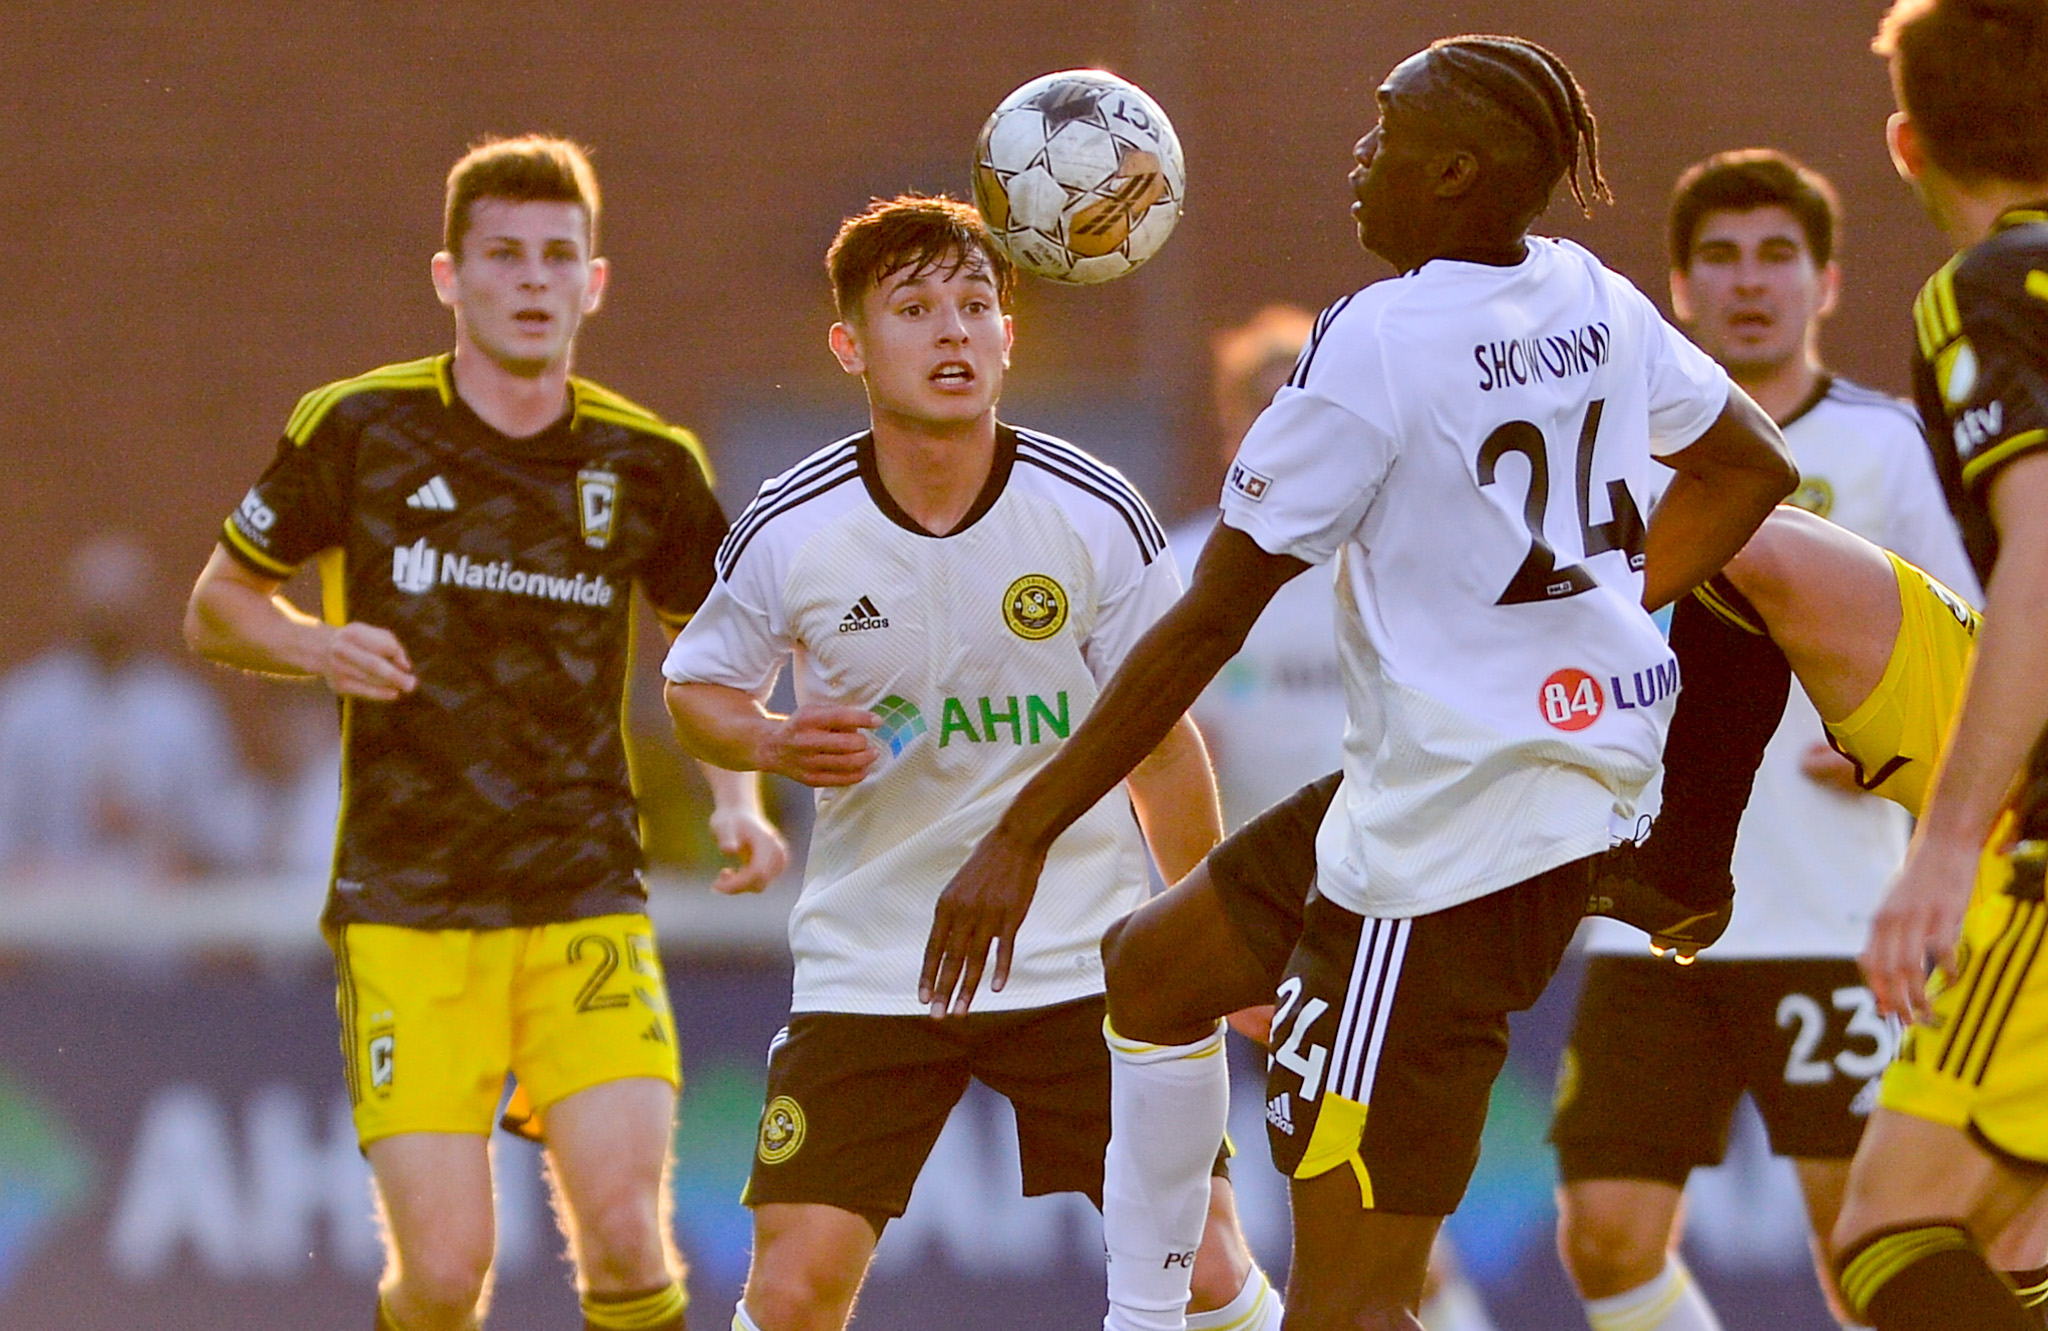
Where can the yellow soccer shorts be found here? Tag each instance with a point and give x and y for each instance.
(1896, 734)
(433, 1019)
(1980, 1064)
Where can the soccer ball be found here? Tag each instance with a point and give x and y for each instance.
(1079, 176)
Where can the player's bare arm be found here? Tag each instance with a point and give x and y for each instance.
(237, 618)
(986, 900)
(1728, 481)
(2002, 715)
(740, 827)
(1174, 794)
(817, 745)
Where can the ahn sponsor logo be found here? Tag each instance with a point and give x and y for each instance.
(46, 1175)
(418, 568)
(901, 723)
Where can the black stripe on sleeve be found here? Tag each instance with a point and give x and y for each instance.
(1084, 473)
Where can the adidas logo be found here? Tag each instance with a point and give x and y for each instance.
(862, 617)
(435, 495)
(1280, 1112)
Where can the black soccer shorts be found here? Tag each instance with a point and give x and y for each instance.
(1263, 873)
(1659, 1055)
(1408, 1019)
(856, 1102)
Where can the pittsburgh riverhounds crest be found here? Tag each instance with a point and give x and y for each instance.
(782, 1130)
(1035, 607)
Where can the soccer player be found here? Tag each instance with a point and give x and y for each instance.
(1660, 1054)
(1472, 440)
(951, 591)
(481, 519)
(1959, 1143)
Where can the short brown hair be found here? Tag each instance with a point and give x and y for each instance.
(1973, 75)
(915, 231)
(533, 168)
(1749, 178)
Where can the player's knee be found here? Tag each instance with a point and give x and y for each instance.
(620, 1244)
(446, 1275)
(786, 1293)
(1770, 565)
(1606, 1251)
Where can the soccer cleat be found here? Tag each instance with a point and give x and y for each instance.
(1624, 888)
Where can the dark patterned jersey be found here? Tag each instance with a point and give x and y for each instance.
(497, 793)
(1981, 380)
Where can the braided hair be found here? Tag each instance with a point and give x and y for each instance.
(1532, 88)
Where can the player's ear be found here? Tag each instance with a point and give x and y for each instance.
(600, 275)
(1009, 338)
(845, 345)
(1902, 137)
(1453, 172)
(1830, 290)
(442, 266)
(1681, 296)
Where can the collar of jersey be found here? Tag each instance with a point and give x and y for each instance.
(2020, 215)
(991, 489)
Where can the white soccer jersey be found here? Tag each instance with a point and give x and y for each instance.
(1474, 443)
(981, 650)
(1274, 715)
(1810, 861)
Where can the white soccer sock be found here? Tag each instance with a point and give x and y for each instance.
(1668, 1302)
(1257, 1307)
(1456, 1306)
(1168, 1105)
(740, 1320)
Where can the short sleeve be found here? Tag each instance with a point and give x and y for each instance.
(1688, 388)
(679, 571)
(739, 636)
(1124, 617)
(1306, 473)
(300, 504)
(1995, 377)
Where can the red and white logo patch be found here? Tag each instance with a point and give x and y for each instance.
(1571, 699)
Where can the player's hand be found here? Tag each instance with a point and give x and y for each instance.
(821, 745)
(363, 661)
(983, 904)
(753, 842)
(1824, 767)
(1919, 922)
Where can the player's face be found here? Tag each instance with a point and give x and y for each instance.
(1753, 294)
(524, 282)
(1389, 185)
(931, 344)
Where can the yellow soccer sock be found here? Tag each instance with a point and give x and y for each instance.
(637, 1310)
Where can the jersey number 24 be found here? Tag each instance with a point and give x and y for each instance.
(1539, 578)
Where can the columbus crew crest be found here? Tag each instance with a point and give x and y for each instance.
(1035, 607)
(782, 1130)
(597, 503)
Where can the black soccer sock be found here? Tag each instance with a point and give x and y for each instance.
(2032, 1288)
(1928, 1278)
(1733, 685)
(636, 1310)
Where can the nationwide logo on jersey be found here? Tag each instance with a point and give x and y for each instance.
(1249, 483)
(1035, 607)
(782, 1130)
(862, 617)
(434, 495)
(901, 721)
(597, 503)
(418, 567)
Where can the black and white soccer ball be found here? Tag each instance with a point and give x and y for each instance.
(1079, 176)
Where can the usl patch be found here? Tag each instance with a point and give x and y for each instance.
(1249, 483)
(782, 1130)
(1035, 607)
